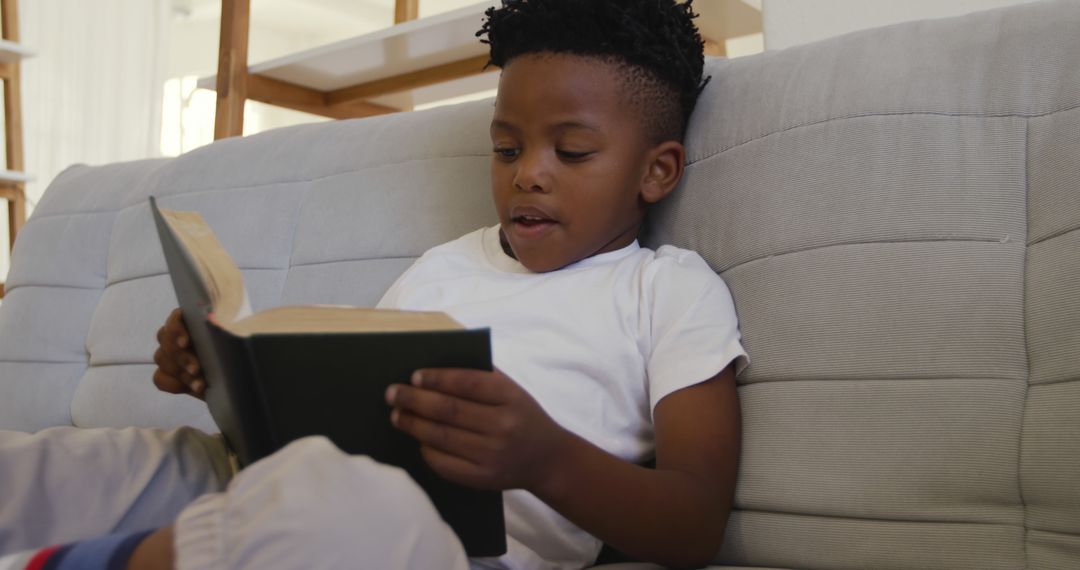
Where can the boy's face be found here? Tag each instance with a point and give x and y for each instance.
(571, 167)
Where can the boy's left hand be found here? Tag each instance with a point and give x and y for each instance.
(477, 428)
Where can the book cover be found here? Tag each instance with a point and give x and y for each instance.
(266, 389)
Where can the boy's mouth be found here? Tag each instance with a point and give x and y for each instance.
(530, 216)
(529, 221)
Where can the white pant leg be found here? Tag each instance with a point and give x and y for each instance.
(312, 506)
(65, 484)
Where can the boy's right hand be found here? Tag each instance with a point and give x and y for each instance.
(179, 370)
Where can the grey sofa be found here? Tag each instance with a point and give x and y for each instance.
(896, 212)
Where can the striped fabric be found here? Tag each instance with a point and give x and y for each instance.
(106, 553)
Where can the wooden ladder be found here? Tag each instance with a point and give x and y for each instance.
(13, 181)
(234, 84)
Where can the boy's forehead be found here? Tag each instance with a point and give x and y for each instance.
(559, 84)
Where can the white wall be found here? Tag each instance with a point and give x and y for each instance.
(193, 51)
(92, 94)
(793, 22)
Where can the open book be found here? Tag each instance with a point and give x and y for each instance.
(289, 372)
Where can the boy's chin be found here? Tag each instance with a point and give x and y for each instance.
(533, 256)
(540, 261)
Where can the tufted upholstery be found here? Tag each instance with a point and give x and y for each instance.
(895, 211)
(317, 214)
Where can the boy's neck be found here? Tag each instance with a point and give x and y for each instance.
(505, 244)
(509, 251)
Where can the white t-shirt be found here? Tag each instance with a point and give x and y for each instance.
(597, 343)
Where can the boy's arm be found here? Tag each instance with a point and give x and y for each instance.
(674, 514)
(482, 429)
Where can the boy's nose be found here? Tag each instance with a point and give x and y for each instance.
(527, 187)
(532, 175)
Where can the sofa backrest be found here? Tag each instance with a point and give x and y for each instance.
(328, 213)
(895, 211)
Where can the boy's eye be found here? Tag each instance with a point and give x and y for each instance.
(506, 153)
(573, 155)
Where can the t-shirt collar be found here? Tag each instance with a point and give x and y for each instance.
(497, 257)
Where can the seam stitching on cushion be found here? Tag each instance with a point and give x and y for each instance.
(160, 273)
(1054, 382)
(1057, 532)
(50, 286)
(867, 242)
(871, 519)
(37, 216)
(192, 191)
(865, 115)
(33, 361)
(1027, 347)
(361, 168)
(97, 307)
(388, 258)
(1054, 235)
(755, 381)
(292, 241)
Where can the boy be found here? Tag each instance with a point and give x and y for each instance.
(607, 353)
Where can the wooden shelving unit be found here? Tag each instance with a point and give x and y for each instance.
(12, 179)
(341, 80)
(377, 73)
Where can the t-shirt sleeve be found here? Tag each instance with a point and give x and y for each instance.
(694, 328)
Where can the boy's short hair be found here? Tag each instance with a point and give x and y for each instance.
(654, 43)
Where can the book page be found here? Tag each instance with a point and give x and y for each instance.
(338, 319)
(224, 286)
(218, 271)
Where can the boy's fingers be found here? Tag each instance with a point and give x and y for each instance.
(169, 368)
(175, 318)
(171, 338)
(454, 468)
(168, 365)
(191, 364)
(198, 388)
(169, 384)
(446, 438)
(177, 362)
(475, 385)
(176, 329)
(440, 407)
(195, 384)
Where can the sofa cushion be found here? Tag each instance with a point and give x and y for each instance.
(328, 213)
(895, 212)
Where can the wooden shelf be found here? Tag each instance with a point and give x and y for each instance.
(12, 180)
(13, 177)
(383, 59)
(426, 59)
(11, 52)
(414, 62)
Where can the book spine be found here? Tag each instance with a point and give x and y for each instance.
(241, 403)
(258, 382)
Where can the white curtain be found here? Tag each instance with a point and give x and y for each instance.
(93, 92)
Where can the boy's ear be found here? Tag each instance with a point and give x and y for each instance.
(666, 161)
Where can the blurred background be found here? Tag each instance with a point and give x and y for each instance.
(115, 80)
